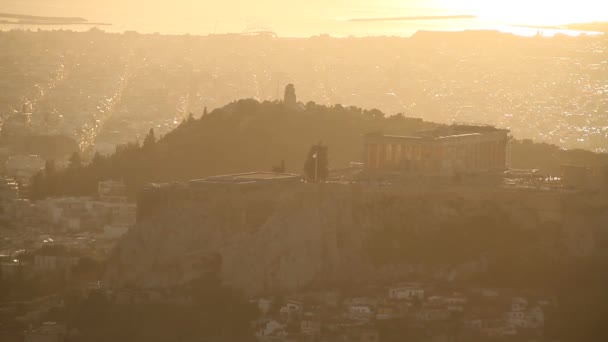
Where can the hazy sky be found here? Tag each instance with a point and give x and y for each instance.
(534, 12)
(203, 16)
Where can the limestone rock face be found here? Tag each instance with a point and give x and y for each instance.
(264, 239)
(281, 238)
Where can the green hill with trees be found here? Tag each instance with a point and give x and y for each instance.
(247, 135)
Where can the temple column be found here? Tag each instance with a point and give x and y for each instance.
(378, 156)
(397, 156)
(496, 155)
(388, 155)
(503, 154)
(369, 162)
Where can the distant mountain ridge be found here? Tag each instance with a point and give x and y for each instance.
(23, 19)
(36, 17)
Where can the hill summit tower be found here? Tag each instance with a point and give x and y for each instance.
(290, 95)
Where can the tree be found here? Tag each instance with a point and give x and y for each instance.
(97, 160)
(316, 167)
(50, 177)
(92, 312)
(38, 187)
(149, 140)
(87, 269)
(49, 168)
(75, 161)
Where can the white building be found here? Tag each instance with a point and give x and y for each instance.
(264, 305)
(361, 312)
(408, 292)
(522, 316)
(516, 319)
(519, 304)
(271, 328)
(432, 314)
(292, 307)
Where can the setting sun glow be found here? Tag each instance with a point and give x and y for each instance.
(532, 12)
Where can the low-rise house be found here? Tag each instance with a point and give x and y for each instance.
(405, 307)
(454, 303)
(10, 269)
(338, 325)
(28, 214)
(473, 323)
(406, 292)
(364, 334)
(141, 296)
(331, 299)
(431, 314)
(310, 326)
(297, 337)
(519, 304)
(386, 312)
(370, 301)
(535, 317)
(435, 301)
(456, 299)
(85, 214)
(123, 296)
(361, 312)
(112, 190)
(114, 231)
(490, 326)
(489, 293)
(521, 316)
(263, 305)
(55, 258)
(47, 332)
(291, 308)
(497, 328)
(516, 319)
(270, 329)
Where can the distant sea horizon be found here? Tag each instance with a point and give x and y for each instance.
(336, 22)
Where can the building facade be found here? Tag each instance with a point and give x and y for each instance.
(445, 151)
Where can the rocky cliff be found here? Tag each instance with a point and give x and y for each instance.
(286, 237)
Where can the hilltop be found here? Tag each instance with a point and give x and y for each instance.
(247, 135)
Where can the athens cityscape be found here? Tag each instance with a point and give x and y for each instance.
(324, 171)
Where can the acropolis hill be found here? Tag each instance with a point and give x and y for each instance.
(267, 232)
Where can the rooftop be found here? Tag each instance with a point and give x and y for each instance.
(251, 177)
(447, 132)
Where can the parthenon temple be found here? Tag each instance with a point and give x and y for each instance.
(444, 151)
